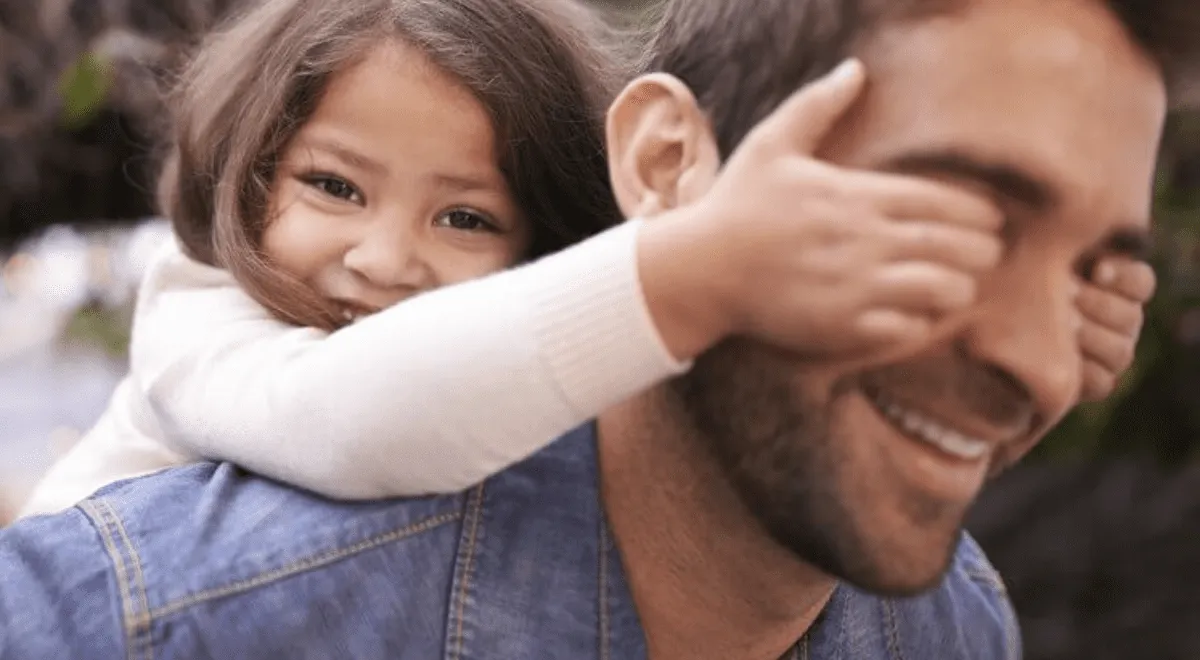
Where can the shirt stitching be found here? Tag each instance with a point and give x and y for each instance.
(605, 624)
(304, 565)
(1012, 634)
(475, 506)
(893, 630)
(147, 641)
(131, 619)
(990, 578)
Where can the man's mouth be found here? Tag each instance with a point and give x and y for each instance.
(922, 427)
(962, 441)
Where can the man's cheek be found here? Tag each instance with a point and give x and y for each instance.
(1012, 454)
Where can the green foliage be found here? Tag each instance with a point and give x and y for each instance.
(83, 88)
(98, 326)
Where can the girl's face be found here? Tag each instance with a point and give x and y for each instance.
(392, 188)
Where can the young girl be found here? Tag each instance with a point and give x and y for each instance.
(333, 158)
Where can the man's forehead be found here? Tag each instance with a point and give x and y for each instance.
(1051, 100)
(1080, 37)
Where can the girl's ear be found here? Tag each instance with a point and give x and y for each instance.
(662, 152)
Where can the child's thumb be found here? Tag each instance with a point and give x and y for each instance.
(807, 116)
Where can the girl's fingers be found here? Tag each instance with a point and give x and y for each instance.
(966, 249)
(1132, 279)
(920, 287)
(900, 196)
(1111, 310)
(881, 327)
(1098, 382)
(1112, 350)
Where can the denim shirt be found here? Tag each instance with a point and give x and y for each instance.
(210, 562)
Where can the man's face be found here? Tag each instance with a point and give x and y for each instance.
(867, 472)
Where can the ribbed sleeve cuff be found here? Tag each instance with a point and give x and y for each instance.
(593, 325)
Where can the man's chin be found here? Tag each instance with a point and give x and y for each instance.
(875, 565)
(904, 581)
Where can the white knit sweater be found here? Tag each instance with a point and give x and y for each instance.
(432, 395)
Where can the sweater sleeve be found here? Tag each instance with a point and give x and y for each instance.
(432, 395)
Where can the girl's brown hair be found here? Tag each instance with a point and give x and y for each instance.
(535, 66)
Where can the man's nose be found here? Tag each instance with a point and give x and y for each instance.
(1028, 327)
(391, 256)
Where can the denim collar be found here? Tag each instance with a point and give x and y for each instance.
(558, 575)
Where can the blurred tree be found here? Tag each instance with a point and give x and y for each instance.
(79, 95)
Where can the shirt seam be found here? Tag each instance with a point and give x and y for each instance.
(127, 571)
(990, 578)
(474, 511)
(605, 623)
(304, 565)
(893, 630)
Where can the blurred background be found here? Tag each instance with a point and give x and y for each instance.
(1097, 535)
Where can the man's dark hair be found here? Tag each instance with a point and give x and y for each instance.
(742, 58)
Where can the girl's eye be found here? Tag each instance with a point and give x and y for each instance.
(335, 187)
(464, 220)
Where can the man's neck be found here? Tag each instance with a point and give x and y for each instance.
(707, 580)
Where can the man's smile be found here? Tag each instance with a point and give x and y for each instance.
(925, 428)
(949, 425)
(947, 456)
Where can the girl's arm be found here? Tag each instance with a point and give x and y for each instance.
(431, 395)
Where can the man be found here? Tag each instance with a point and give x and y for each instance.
(752, 509)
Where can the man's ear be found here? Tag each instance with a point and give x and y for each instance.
(661, 148)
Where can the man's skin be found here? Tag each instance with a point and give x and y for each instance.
(1047, 108)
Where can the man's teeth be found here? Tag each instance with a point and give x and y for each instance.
(926, 430)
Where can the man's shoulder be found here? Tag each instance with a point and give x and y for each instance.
(57, 591)
(214, 562)
(207, 560)
(224, 527)
(968, 615)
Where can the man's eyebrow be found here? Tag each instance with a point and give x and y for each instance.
(1009, 181)
(1133, 242)
(1003, 180)
(343, 153)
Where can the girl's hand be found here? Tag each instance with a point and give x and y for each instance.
(826, 262)
(1112, 308)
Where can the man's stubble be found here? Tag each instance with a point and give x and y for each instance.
(778, 444)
